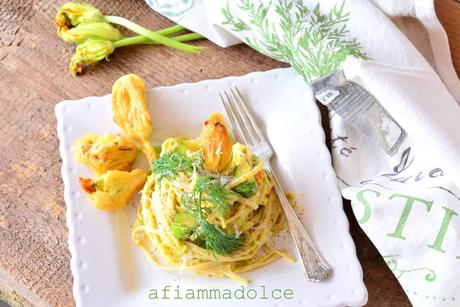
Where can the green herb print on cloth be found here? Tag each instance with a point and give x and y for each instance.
(172, 9)
(312, 42)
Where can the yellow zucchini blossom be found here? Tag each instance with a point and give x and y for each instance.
(130, 111)
(106, 152)
(99, 30)
(114, 189)
(89, 52)
(72, 14)
(216, 142)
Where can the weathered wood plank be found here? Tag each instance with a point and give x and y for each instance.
(448, 12)
(34, 257)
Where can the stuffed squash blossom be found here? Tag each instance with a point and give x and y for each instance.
(112, 157)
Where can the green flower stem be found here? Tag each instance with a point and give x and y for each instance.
(182, 38)
(152, 35)
(142, 40)
(171, 30)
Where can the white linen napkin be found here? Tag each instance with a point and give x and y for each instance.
(405, 201)
(424, 11)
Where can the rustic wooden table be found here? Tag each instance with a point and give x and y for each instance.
(34, 257)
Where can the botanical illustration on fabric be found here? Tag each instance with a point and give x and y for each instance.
(312, 42)
(172, 9)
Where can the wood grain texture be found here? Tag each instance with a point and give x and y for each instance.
(34, 257)
(448, 12)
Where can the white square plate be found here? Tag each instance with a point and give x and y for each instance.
(109, 270)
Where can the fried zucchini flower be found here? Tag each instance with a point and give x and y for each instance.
(217, 143)
(106, 152)
(114, 189)
(95, 30)
(89, 52)
(130, 111)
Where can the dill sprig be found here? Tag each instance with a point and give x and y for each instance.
(218, 240)
(216, 194)
(209, 189)
(170, 164)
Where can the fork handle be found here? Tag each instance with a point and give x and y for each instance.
(314, 265)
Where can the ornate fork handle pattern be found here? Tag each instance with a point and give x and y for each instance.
(314, 264)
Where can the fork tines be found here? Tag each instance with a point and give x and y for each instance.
(240, 119)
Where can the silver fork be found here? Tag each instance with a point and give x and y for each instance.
(246, 131)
